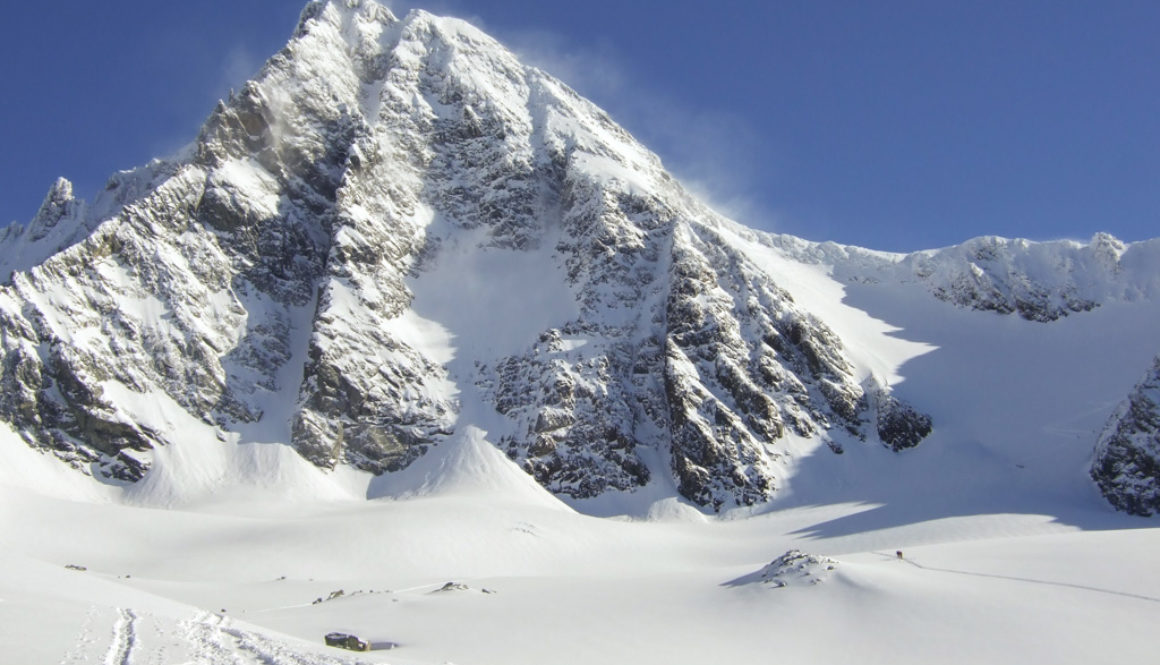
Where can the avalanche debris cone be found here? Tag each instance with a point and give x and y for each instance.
(295, 272)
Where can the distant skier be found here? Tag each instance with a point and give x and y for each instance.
(898, 554)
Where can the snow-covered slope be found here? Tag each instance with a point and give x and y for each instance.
(398, 238)
(1040, 281)
(533, 584)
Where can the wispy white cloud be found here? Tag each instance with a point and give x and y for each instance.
(711, 150)
(224, 73)
(239, 66)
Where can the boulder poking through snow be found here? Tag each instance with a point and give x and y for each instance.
(794, 568)
(346, 641)
(452, 586)
(900, 426)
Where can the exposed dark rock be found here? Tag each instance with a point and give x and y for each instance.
(347, 641)
(900, 426)
(1127, 459)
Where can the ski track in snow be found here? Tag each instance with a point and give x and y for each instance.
(124, 639)
(206, 639)
(1026, 580)
(214, 640)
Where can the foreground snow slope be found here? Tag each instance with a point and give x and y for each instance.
(994, 569)
(1010, 554)
(249, 582)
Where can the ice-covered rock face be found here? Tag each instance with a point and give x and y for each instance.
(1127, 459)
(304, 274)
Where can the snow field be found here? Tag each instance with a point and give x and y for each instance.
(1009, 554)
(551, 585)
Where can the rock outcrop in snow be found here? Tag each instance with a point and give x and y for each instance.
(900, 426)
(1127, 458)
(794, 568)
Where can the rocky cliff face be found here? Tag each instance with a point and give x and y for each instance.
(1127, 459)
(264, 284)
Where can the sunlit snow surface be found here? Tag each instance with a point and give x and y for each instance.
(1009, 554)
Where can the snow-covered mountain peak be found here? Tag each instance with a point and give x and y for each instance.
(57, 202)
(336, 12)
(397, 234)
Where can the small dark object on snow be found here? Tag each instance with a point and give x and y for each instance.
(346, 641)
(898, 554)
(73, 566)
(333, 594)
(454, 586)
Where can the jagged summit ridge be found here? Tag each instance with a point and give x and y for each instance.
(1038, 281)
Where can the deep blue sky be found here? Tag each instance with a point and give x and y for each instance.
(889, 124)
